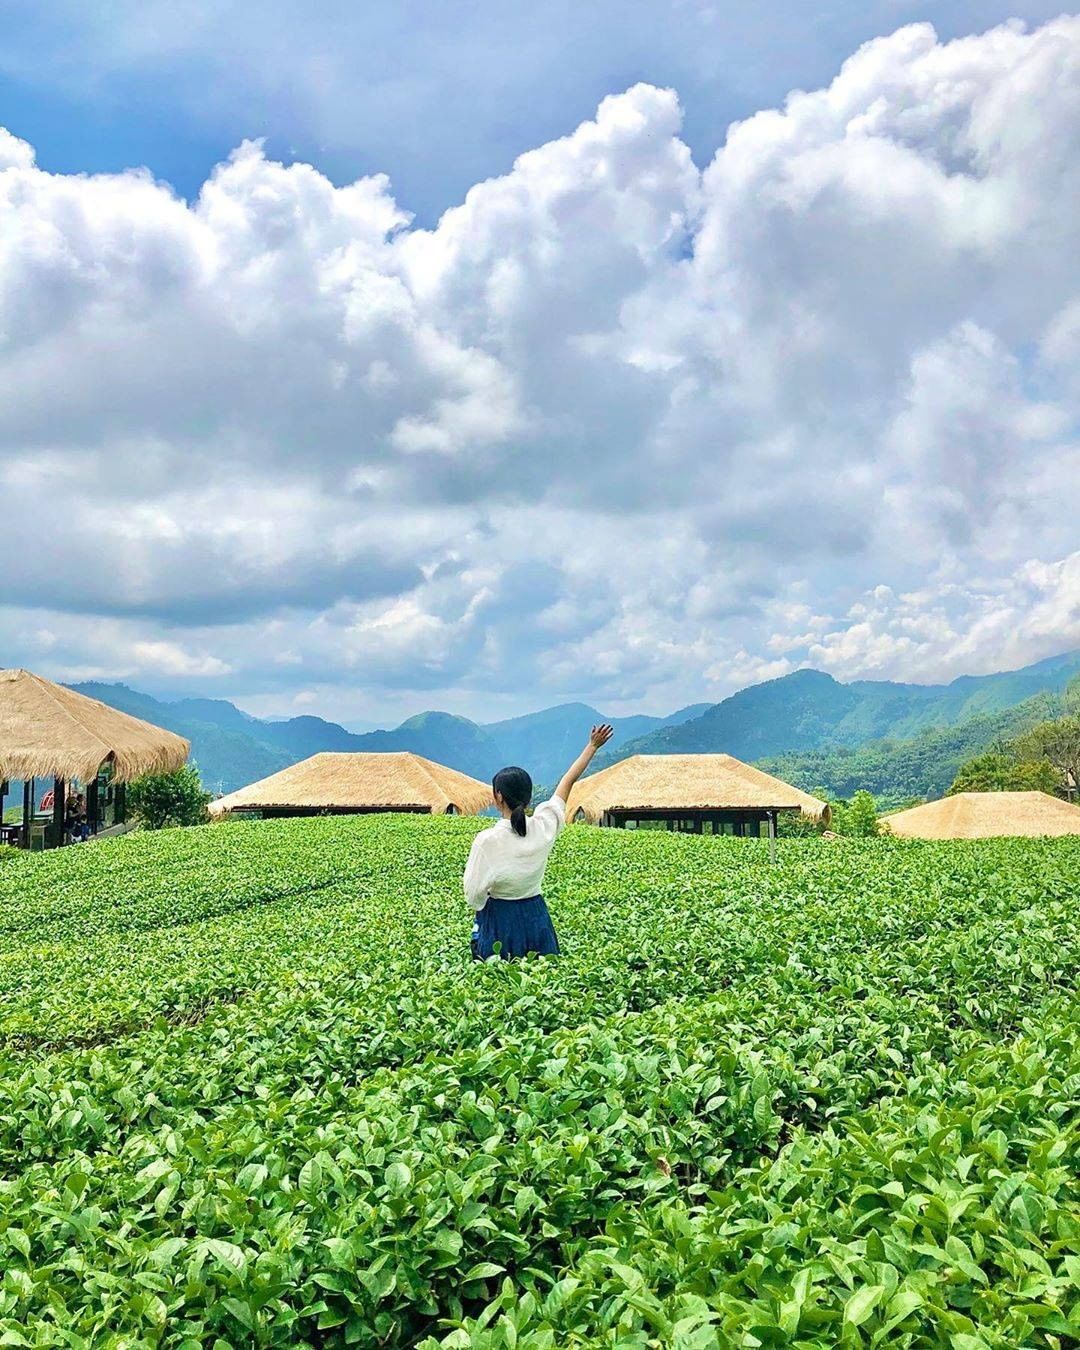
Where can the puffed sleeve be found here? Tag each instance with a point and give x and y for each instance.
(549, 817)
(476, 874)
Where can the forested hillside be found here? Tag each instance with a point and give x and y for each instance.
(809, 710)
(923, 766)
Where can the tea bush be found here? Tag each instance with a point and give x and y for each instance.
(253, 1092)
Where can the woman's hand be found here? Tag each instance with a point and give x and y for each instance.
(597, 737)
(601, 735)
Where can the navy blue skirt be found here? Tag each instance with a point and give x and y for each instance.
(518, 926)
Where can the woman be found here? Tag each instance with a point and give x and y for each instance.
(505, 872)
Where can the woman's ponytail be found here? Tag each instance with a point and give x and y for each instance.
(515, 787)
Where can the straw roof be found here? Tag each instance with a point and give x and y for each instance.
(49, 731)
(392, 781)
(987, 815)
(689, 783)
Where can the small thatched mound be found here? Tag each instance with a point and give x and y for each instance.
(987, 815)
(396, 781)
(49, 731)
(687, 783)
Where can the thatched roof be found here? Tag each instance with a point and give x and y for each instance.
(689, 783)
(340, 782)
(49, 731)
(987, 815)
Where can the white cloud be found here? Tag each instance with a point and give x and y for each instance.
(944, 630)
(14, 153)
(169, 658)
(616, 427)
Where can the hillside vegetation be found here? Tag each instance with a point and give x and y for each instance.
(256, 1094)
(924, 766)
(809, 710)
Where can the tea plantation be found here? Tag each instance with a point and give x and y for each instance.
(253, 1092)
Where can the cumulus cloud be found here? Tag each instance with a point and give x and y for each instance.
(618, 426)
(171, 659)
(945, 630)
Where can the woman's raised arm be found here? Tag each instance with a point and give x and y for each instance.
(597, 737)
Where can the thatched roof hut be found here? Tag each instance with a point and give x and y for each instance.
(49, 731)
(344, 784)
(987, 815)
(696, 788)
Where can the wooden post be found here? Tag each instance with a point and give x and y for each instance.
(772, 836)
(119, 804)
(58, 811)
(92, 804)
(27, 809)
(3, 794)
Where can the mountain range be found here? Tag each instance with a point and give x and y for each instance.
(809, 710)
(232, 748)
(806, 725)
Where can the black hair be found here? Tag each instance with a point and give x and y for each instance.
(514, 786)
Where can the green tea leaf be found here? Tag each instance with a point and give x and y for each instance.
(862, 1303)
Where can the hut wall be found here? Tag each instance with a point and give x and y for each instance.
(752, 823)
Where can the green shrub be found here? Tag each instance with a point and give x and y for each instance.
(858, 818)
(157, 800)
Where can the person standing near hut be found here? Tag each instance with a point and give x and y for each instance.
(504, 876)
(80, 825)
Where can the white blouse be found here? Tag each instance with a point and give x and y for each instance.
(507, 866)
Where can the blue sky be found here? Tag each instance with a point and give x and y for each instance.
(468, 356)
(437, 95)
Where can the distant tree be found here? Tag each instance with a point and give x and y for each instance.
(863, 816)
(1058, 742)
(999, 771)
(1037, 775)
(857, 818)
(158, 800)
